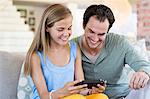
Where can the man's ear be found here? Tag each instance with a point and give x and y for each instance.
(83, 25)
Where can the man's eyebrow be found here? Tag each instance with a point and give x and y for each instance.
(101, 33)
(98, 33)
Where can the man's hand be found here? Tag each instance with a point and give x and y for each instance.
(95, 90)
(139, 80)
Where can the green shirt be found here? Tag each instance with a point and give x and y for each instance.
(110, 63)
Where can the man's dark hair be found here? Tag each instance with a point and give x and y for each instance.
(101, 12)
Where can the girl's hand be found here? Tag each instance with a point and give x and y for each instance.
(68, 89)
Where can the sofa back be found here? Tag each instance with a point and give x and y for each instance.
(10, 66)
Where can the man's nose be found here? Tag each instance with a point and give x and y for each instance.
(96, 38)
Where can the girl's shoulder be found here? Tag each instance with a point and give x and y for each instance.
(35, 56)
(73, 47)
(72, 44)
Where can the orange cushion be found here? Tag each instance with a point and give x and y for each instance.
(97, 96)
(74, 96)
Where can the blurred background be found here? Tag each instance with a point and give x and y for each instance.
(19, 20)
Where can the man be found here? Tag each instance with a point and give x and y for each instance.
(104, 54)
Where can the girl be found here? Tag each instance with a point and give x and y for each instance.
(52, 61)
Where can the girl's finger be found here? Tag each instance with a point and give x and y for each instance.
(77, 87)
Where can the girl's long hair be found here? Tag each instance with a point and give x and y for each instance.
(41, 41)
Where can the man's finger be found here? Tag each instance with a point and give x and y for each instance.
(131, 84)
(101, 87)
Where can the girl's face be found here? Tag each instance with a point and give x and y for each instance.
(61, 31)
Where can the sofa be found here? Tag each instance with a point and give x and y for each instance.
(10, 66)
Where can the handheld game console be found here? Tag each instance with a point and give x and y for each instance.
(92, 83)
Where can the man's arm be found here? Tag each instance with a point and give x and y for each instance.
(139, 63)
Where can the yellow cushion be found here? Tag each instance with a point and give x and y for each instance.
(97, 96)
(75, 96)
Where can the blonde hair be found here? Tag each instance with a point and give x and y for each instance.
(41, 41)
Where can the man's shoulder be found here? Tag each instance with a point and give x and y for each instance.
(115, 40)
(114, 35)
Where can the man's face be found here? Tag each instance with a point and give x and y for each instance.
(95, 32)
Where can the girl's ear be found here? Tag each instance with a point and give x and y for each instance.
(46, 29)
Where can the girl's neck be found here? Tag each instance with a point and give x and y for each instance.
(56, 55)
(55, 47)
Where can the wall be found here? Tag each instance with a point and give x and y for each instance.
(127, 24)
(143, 7)
(33, 14)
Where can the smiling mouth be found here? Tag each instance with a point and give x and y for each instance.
(93, 42)
(64, 39)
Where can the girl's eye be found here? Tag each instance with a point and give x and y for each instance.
(60, 30)
(69, 28)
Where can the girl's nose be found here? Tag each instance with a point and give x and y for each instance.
(65, 33)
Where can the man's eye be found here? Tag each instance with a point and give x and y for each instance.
(91, 32)
(101, 34)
